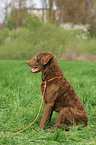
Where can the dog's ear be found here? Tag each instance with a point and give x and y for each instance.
(45, 59)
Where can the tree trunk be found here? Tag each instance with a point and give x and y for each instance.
(50, 9)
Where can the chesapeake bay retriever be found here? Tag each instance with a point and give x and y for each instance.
(60, 96)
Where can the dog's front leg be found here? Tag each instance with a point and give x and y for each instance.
(46, 116)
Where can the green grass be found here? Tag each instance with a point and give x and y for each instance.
(20, 98)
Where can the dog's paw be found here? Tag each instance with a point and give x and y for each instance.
(55, 127)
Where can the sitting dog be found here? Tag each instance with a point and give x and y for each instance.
(59, 96)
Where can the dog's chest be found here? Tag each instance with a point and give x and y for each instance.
(50, 92)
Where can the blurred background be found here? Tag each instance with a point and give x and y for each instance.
(66, 28)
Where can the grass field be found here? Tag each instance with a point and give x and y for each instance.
(20, 98)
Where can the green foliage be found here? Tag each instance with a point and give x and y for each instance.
(26, 20)
(11, 23)
(83, 46)
(34, 37)
(3, 35)
(20, 98)
(24, 43)
(31, 21)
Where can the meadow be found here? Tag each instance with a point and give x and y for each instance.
(20, 98)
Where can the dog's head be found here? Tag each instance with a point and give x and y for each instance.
(40, 61)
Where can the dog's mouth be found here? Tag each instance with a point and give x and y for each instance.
(35, 69)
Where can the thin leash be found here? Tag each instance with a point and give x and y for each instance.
(45, 82)
(30, 123)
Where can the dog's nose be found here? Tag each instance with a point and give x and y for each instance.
(27, 62)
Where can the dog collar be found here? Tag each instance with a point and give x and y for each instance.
(45, 82)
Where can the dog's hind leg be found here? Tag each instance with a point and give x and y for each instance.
(64, 119)
(69, 116)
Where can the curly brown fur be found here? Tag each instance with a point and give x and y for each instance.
(60, 96)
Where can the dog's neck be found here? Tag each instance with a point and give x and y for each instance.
(51, 70)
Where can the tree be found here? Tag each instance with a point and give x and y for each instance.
(21, 11)
(72, 10)
(44, 8)
(18, 10)
(4, 11)
(77, 12)
(50, 9)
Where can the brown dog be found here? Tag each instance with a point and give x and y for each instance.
(60, 96)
